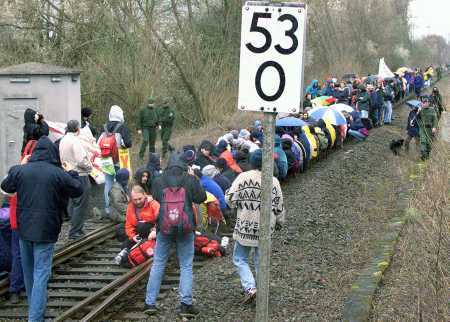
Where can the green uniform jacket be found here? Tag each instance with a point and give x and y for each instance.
(148, 117)
(427, 118)
(363, 100)
(166, 116)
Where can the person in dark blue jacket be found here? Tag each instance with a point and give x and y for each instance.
(412, 129)
(418, 84)
(43, 190)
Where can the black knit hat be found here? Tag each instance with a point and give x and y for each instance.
(86, 112)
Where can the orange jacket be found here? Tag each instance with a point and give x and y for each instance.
(231, 162)
(149, 213)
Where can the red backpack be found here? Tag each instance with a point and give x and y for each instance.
(108, 144)
(141, 252)
(173, 218)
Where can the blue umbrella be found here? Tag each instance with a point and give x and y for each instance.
(414, 103)
(290, 121)
(333, 116)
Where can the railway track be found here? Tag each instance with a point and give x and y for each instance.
(85, 282)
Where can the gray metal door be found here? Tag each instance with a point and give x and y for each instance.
(11, 130)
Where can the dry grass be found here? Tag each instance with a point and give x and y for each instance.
(417, 284)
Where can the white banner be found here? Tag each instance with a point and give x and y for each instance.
(384, 71)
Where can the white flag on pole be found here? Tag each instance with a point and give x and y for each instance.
(384, 71)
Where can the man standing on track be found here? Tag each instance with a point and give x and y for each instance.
(241, 195)
(166, 118)
(147, 124)
(71, 151)
(43, 189)
(176, 191)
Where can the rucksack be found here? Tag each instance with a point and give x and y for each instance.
(108, 144)
(141, 252)
(174, 219)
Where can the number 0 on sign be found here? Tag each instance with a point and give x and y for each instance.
(272, 54)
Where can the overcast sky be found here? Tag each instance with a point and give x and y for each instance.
(430, 17)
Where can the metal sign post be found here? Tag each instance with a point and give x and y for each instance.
(270, 81)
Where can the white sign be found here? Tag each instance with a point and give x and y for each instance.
(272, 55)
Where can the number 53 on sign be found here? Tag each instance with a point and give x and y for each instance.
(272, 55)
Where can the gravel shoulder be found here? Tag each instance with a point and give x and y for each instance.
(335, 215)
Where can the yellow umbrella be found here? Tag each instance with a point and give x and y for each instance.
(403, 70)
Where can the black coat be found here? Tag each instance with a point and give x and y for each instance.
(33, 130)
(43, 190)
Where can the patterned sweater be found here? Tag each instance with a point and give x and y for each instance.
(245, 195)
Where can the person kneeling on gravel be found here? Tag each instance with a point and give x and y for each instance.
(141, 216)
(241, 195)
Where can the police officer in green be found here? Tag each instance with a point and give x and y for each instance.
(166, 117)
(147, 124)
(427, 121)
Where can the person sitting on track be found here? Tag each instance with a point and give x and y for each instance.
(214, 173)
(205, 155)
(119, 196)
(142, 178)
(141, 215)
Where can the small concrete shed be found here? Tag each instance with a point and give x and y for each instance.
(54, 91)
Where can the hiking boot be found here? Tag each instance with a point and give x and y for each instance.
(249, 296)
(14, 298)
(187, 311)
(150, 309)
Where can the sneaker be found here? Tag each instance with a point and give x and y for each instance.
(14, 298)
(250, 295)
(150, 309)
(187, 311)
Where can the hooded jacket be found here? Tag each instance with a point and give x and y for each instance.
(175, 175)
(39, 211)
(281, 161)
(31, 129)
(154, 165)
(313, 88)
(115, 117)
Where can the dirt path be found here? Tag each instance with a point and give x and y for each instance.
(335, 214)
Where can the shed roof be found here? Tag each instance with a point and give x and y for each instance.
(34, 68)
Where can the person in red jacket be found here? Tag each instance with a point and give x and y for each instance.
(222, 148)
(141, 215)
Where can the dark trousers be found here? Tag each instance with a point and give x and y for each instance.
(16, 283)
(148, 138)
(166, 133)
(79, 209)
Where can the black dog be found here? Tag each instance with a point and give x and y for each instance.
(396, 145)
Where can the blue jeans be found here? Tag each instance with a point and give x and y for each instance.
(109, 181)
(185, 253)
(37, 267)
(388, 112)
(356, 134)
(16, 283)
(240, 260)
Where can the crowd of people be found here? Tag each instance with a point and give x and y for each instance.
(201, 191)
